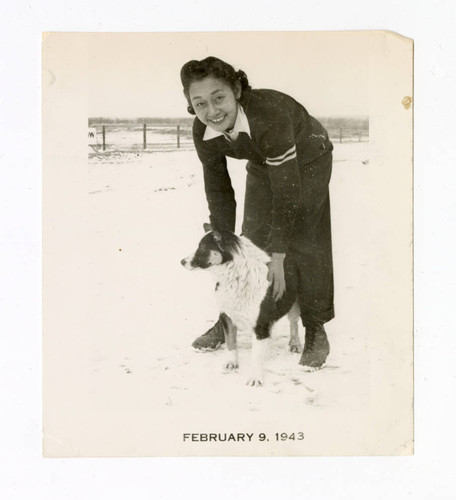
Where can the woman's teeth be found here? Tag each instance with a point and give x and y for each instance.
(218, 120)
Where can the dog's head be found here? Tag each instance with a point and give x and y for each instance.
(215, 248)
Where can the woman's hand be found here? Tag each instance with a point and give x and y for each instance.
(276, 275)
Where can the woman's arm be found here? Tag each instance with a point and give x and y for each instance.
(217, 182)
(285, 181)
(286, 191)
(219, 194)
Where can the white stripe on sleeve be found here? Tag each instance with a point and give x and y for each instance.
(278, 160)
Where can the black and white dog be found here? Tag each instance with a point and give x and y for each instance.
(244, 295)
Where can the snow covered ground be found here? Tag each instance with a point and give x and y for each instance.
(147, 213)
(120, 375)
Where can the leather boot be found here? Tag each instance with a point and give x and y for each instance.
(316, 347)
(212, 339)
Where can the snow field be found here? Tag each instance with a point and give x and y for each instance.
(147, 212)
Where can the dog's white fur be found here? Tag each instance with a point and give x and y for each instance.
(242, 284)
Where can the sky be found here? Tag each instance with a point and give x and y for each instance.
(137, 74)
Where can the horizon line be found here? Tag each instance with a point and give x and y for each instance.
(133, 117)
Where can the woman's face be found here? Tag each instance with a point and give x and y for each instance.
(214, 102)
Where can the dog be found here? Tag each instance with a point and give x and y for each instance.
(244, 295)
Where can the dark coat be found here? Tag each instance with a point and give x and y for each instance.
(284, 139)
(287, 206)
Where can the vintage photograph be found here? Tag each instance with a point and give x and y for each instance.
(228, 255)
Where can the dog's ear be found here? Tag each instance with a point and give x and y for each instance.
(210, 228)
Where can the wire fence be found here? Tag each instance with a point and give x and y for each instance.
(108, 138)
(144, 137)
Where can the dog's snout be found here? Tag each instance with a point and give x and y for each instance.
(188, 262)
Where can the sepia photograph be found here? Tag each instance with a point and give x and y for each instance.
(227, 244)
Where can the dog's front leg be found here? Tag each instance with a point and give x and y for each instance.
(230, 330)
(259, 350)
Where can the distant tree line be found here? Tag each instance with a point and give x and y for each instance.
(358, 123)
(346, 123)
(172, 122)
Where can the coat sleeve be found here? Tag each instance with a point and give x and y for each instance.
(280, 149)
(217, 185)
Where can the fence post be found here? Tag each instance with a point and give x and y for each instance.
(144, 136)
(178, 136)
(104, 137)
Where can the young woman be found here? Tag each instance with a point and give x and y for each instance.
(286, 211)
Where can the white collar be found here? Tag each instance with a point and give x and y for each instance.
(241, 125)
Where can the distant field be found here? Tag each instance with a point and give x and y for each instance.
(169, 134)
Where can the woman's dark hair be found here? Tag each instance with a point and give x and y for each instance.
(194, 71)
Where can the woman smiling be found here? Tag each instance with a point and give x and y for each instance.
(286, 210)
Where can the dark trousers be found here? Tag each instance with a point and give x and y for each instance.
(308, 263)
